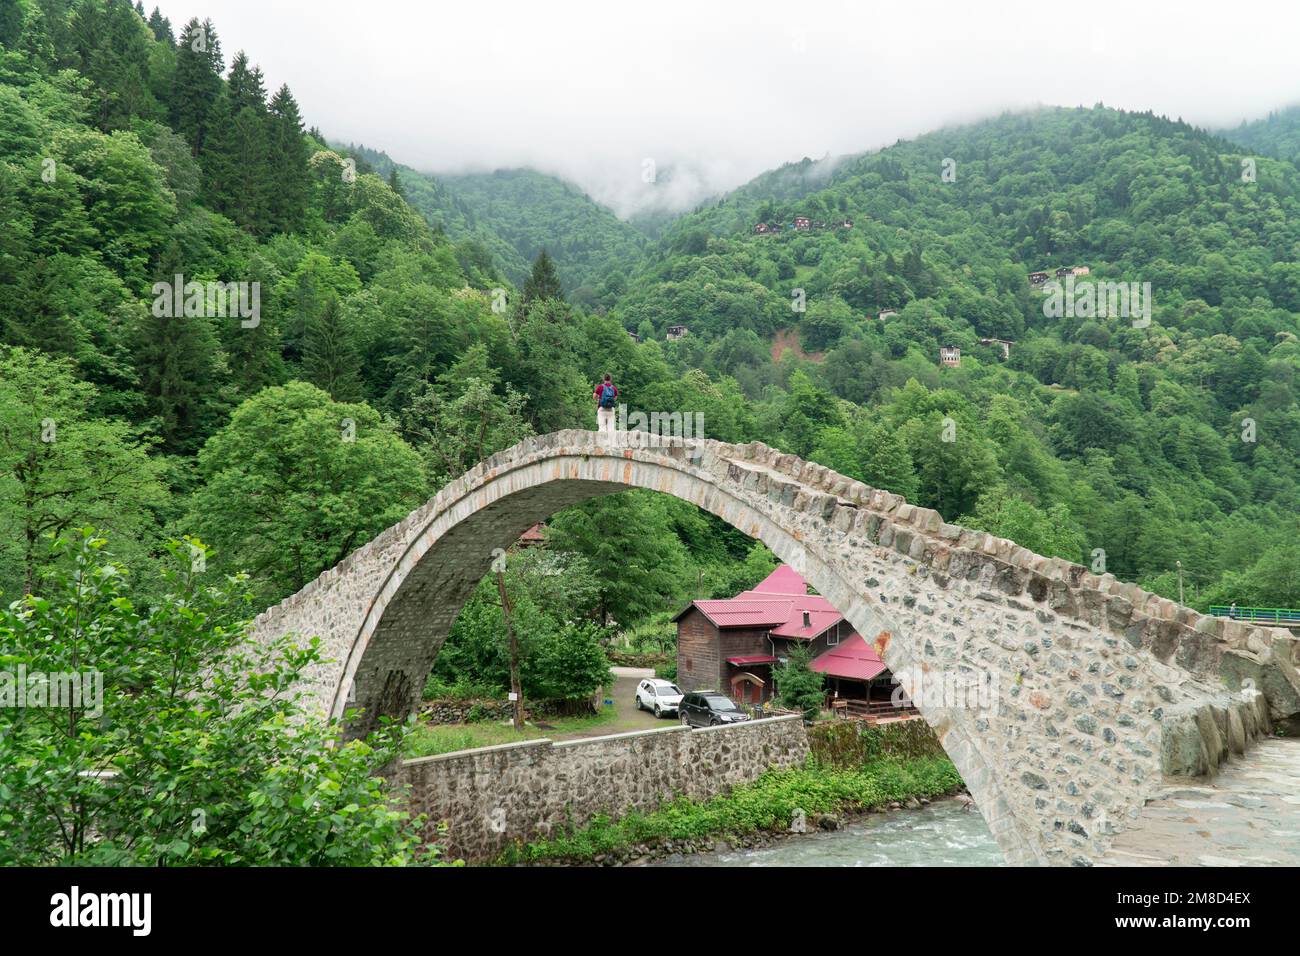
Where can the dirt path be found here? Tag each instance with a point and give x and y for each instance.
(627, 717)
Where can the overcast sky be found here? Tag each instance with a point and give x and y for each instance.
(720, 90)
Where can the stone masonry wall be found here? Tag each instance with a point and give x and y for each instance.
(494, 797)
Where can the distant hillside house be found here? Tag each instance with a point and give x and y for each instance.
(847, 224)
(1064, 271)
(1037, 278)
(764, 227)
(1005, 343)
(1080, 271)
(675, 332)
(732, 645)
(886, 313)
(950, 356)
(532, 538)
(802, 222)
(634, 337)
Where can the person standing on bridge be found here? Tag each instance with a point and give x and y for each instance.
(606, 396)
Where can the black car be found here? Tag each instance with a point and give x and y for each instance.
(708, 708)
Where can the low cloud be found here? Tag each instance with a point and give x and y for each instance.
(715, 93)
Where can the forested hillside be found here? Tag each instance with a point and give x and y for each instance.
(533, 211)
(1099, 435)
(482, 253)
(1277, 134)
(500, 222)
(378, 363)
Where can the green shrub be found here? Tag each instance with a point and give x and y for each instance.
(798, 686)
(667, 671)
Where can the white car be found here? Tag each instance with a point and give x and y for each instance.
(661, 696)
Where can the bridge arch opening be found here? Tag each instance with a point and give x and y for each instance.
(453, 547)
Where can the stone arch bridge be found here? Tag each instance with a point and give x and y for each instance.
(1099, 689)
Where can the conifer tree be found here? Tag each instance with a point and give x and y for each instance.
(111, 50)
(245, 85)
(330, 359)
(180, 366)
(196, 84)
(289, 175)
(236, 165)
(217, 155)
(161, 27)
(11, 23)
(543, 283)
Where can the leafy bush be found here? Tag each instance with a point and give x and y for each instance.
(463, 687)
(797, 685)
(198, 749)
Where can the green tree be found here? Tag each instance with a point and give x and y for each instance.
(112, 50)
(885, 461)
(629, 540)
(180, 368)
(122, 193)
(297, 481)
(1052, 532)
(542, 282)
(196, 83)
(290, 181)
(330, 358)
(456, 425)
(1271, 581)
(63, 468)
(552, 594)
(161, 27)
(237, 162)
(798, 686)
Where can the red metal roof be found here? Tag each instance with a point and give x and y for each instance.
(820, 617)
(784, 580)
(738, 613)
(752, 659)
(852, 658)
(778, 602)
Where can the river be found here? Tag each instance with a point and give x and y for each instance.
(944, 833)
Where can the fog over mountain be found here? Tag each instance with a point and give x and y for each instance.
(596, 92)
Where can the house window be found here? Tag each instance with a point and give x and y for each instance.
(833, 635)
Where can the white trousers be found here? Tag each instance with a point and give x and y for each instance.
(604, 419)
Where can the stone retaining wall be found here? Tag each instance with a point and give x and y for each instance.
(854, 743)
(519, 793)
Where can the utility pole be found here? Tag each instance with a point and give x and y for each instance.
(1179, 566)
(516, 689)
